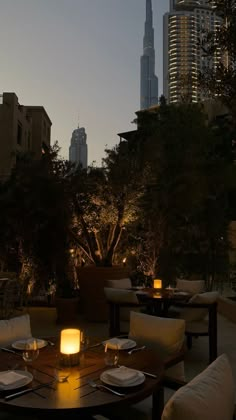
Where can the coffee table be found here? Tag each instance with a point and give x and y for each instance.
(76, 396)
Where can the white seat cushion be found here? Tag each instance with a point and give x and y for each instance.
(209, 396)
(14, 329)
(120, 295)
(196, 314)
(191, 286)
(119, 284)
(166, 335)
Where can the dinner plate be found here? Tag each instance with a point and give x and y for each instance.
(130, 345)
(106, 380)
(20, 344)
(28, 377)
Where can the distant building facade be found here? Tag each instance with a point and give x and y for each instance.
(78, 150)
(22, 129)
(148, 79)
(183, 58)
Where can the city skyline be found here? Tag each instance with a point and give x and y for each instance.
(79, 57)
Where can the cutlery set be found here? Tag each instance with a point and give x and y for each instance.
(91, 382)
(26, 391)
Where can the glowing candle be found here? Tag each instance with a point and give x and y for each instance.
(157, 284)
(70, 341)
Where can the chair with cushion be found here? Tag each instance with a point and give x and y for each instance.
(200, 314)
(209, 396)
(190, 286)
(119, 283)
(119, 299)
(124, 283)
(166, 336)
(13, 329)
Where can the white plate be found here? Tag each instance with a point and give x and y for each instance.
(20, 344)
(25, 381)
(108, 381)
(130, 345)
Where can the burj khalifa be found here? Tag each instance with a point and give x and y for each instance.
(148, 79)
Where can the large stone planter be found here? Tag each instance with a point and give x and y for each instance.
(92, 281)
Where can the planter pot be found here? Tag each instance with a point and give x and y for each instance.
(92, 281)
(67, 310)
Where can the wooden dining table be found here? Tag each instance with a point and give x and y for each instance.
(156, 301)
(75, 396)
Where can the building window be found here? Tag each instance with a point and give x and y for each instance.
(19, 133)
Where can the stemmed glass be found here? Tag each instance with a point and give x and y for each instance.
(31, 350)
(111, 355)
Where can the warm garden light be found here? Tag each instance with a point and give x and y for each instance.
(157, 284)
(70, 346)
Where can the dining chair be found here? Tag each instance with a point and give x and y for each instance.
(200, 315)
(209, 396)
(166, 336)
(10, 296)
(14, 329)
(190, 286)
(119, 299)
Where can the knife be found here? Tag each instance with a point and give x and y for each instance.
(26, 391)
(148, 374)
(9, 351)
(142, 371)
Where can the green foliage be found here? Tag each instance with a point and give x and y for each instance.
(185, 169)
(36, 212)
(105, 202)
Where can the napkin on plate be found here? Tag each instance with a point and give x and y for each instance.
(123, 376)
(11, 378)
(118, 343)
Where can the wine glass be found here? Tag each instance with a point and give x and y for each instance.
(111, 355)
(31, 350)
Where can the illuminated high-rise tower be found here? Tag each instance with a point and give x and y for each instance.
(78, 150)
(148, 79)
(183, 58)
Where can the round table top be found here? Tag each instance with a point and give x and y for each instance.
(76, 395)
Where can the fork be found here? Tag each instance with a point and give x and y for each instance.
(100, 386)
(136, 349)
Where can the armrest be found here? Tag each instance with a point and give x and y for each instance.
(173, 383)
(174, 359)
(195, 305)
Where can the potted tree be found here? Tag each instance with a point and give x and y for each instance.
(105, 203)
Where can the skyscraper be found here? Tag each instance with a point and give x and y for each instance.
(148, 79)
(78, 151)
(183, 58)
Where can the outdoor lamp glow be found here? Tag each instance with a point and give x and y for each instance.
(157, 284)
(70, 346)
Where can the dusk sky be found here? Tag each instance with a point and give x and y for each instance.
(80, 59)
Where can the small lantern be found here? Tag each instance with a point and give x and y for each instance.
(157, 284)
(70, 346)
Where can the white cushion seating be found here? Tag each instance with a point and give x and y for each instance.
(209, 396)
(227, 308)
(166, 335)
(191, 286)
(119, 284)
(196, 314)
(14, 329)
(120, 295)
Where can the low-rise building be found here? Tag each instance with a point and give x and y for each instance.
(22, 129)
